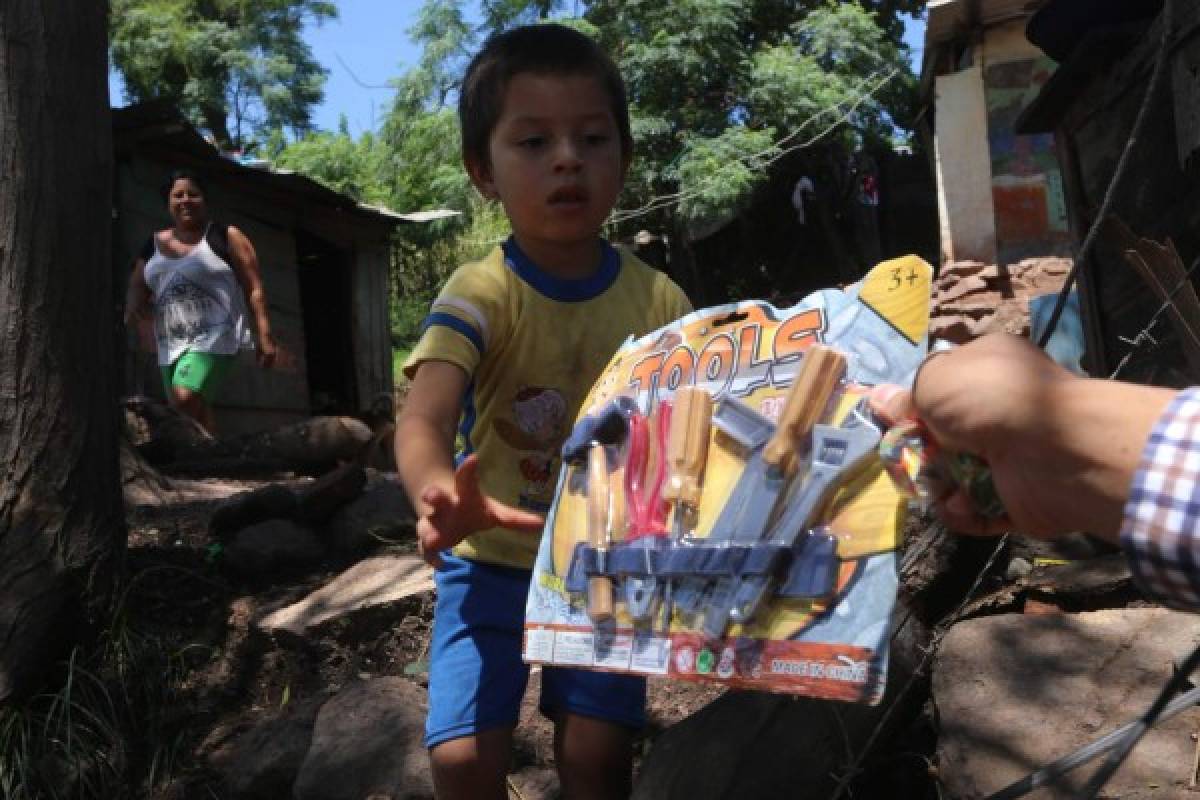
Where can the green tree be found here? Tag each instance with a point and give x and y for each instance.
(241, 69)
(723, 90)
(725, 95)
(356, 167)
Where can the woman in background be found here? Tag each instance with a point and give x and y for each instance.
(198, 278)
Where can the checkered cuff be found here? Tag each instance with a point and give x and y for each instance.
(1161, 530)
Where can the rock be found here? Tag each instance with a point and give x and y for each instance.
(380, 452)
(263, 762)
(961, 287)
(161, 433)
(536, 783)
(367, 740)
(1016, 692)
(1017, 568)
(271, 546)
(956, 330)
(962, 269)
(373, 584)
(323, 497)
(381, 514)
(1083, 582)
(142, 484)
(320, 440)
(274, 501)
(312, 446)
(971, 299)
(766, 746)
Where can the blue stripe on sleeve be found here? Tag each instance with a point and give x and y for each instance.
(467, 424)
(455, 324)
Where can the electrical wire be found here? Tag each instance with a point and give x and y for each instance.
(1118, 175)
(1052, 772)
(1138, 729)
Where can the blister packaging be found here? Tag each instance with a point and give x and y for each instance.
(722, 512)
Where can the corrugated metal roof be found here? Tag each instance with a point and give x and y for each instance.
(159, 125)
(949, 19)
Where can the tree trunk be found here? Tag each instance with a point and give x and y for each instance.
(61, 522)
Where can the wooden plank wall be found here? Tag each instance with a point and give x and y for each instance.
(372, 328)
(1160, 198)
(253, 398)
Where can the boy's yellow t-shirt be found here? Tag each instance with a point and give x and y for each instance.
(533, 345)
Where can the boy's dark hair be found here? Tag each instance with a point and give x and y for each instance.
(542, 49)
(181, 174)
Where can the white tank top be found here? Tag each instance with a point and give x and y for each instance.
(198, 303)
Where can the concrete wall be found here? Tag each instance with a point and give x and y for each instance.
(963, 164)
(976, 110)
(1027, 186)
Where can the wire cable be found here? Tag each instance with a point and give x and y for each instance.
(1052, 772)
(1118, 175)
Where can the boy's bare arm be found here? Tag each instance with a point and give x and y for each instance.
(425, 430)
(449, 503)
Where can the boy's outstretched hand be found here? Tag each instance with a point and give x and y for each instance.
(453, 516)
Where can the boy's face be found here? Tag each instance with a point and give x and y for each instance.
(556, 166)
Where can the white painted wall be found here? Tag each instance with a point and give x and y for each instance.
(964, 168)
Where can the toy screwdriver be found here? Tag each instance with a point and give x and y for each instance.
(600, 588)
(687, 452)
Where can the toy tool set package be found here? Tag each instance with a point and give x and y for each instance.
(722, 512)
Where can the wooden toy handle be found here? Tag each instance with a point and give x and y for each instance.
(687, 445)
(600, 589)
(820, 372)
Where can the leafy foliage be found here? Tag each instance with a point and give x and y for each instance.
(723, 94)
(221, 60)
(716, 175)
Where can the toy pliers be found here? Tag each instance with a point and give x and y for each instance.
(647, 512)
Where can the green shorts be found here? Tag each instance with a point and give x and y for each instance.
(202, 373)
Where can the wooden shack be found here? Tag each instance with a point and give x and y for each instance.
(1107, 53)
(324, 259)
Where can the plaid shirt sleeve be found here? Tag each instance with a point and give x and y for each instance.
(1161, 529)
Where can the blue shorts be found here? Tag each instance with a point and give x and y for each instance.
(476, 675)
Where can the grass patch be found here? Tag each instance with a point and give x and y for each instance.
(109, 726)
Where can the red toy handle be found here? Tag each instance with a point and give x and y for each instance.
(647, 512)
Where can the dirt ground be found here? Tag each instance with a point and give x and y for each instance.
(223, 678)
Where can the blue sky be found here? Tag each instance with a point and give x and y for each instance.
(366, 47)
(368, 43)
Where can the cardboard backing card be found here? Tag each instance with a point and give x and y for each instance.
(663, 558)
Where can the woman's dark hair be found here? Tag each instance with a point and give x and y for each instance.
(183, 174)
(543, 49)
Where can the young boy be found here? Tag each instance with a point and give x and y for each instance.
(510, 349)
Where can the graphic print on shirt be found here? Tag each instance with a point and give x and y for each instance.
(191, 314)
(540, 429)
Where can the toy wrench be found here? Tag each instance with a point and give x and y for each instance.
(647, 513)
(836, 454)
(819, 374)
(751, 431)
